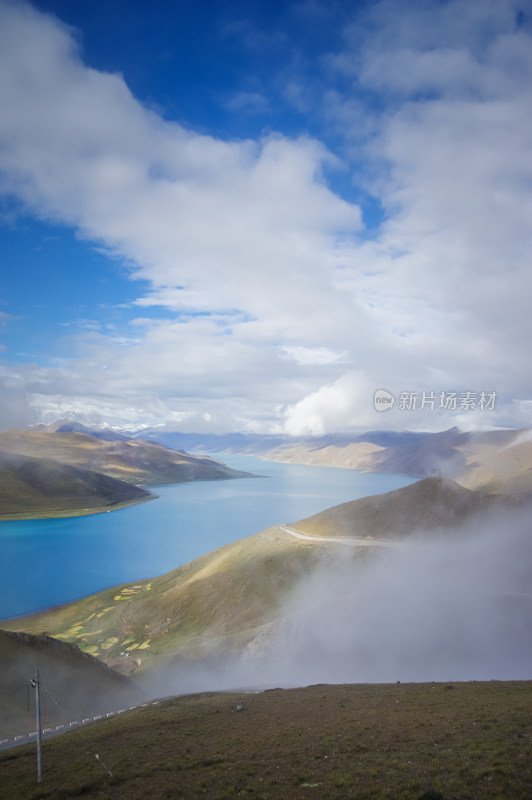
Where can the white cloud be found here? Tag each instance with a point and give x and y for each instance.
(269, 285)
(311, 356)
(341, 405)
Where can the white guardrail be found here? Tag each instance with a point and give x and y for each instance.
(27, 738)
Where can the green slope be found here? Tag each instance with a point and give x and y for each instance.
(222, 596)
(37, 487)
(46, 474)
(223, 600)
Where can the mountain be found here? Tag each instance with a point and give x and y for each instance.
(75, 685)
(69, 426)
(494, 461)
(32, 487)
(259, 445)
(429, 505)
(226, 601)
(133, 460)
(57, 473)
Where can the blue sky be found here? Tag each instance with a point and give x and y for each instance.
(250, 216)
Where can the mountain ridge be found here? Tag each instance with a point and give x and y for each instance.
(65, 473)
(498, 460)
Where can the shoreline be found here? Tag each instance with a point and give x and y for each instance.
(74, 512)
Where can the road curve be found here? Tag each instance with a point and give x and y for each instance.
(351, 542)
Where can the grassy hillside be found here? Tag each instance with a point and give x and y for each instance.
(224, 599)
(224, 595)
(366, 742)
(34, 487)
(133, 461)
(75, 685)
(432, 504)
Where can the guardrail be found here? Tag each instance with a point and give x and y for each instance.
(27, 738)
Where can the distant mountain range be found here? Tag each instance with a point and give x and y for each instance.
(257, 444)
(494, 461)
(58, 471)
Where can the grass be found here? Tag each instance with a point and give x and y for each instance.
(214, 598)
(463, 741)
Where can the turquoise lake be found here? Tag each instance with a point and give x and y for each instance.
(44, 563)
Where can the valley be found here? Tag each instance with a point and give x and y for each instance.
(387, 597)
(237, 600)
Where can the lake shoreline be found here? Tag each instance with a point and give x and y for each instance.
(76, 512)
(52, 561)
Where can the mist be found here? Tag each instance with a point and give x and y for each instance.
(447, 609)
(451, 607)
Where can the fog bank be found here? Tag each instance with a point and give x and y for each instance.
(452, 607)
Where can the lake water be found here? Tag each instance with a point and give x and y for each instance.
(44, 563)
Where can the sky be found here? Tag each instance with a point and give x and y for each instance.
(254, 215)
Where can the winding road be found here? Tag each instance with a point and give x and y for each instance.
(350, 541)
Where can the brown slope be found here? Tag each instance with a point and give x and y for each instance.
(493, 461)
(31, 487)
(499, 467)
(427, 505)
(134, 461)
(410, 741)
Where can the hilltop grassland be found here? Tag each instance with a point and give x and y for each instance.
(430, 505)
(461, 741)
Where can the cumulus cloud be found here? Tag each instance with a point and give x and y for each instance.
(263, 273)
(341, 405)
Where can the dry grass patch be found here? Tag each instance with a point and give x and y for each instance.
(379, 742)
